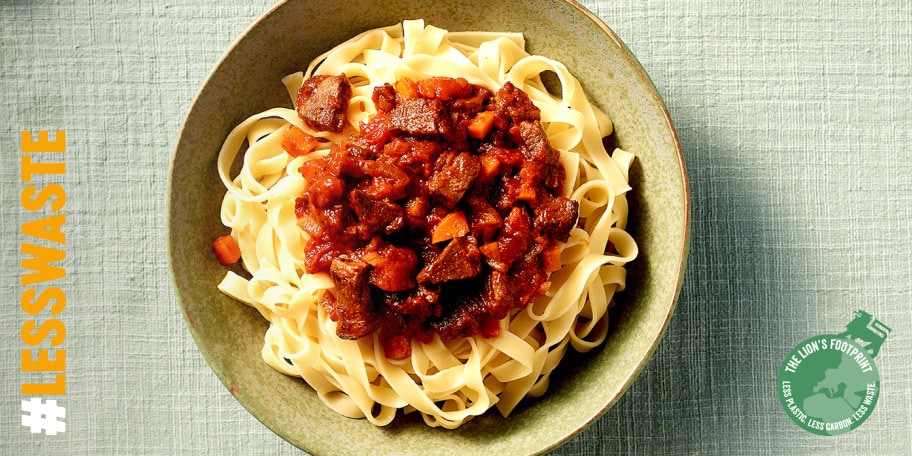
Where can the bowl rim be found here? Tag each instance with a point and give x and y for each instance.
(682, 249)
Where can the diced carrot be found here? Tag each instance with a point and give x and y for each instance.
(417, 207)
(526, 193)
(406, 88)
(490, 250)
(550, 258)
(490, 165)
(297, 142)
(397, 347)
(226, 250)
(451, 226)
(481, 125)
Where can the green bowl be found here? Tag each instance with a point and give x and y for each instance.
(230, 334)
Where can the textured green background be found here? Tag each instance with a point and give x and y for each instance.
(796, 124)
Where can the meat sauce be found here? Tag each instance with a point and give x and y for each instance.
(442, 215)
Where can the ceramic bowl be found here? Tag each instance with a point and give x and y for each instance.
(230, 335)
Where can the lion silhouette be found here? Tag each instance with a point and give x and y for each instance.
(868, 331)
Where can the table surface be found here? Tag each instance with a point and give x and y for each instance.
(795, 120)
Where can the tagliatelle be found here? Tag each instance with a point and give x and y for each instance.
(447, 382)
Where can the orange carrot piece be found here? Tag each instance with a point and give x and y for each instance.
(490, 250)
(526, 193)
(550, 258)
(451, 226)
(406, 88)
(481, 124)
(297, 142)
(226, 250)
(489, 167)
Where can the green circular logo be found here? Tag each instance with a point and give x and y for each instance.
(828, 385)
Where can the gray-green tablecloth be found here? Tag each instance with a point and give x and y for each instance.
(796, 126)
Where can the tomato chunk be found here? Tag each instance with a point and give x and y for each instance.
(397, 347)
(443, 88)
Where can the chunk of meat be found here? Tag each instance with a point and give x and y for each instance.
(537, 150)
(452, 181)
(556, 216)
(472, 103)
(535, 144)
(514, 104)
(483, 218)
(423, 302)
(515, 236)
(373, 213)
(384, 97)
(356, 315)
(459, 323)
(499, 295)
(420, 116)
(322, 101)
(529, 272)
(460, 259)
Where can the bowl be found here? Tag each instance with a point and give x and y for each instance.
(230, 335)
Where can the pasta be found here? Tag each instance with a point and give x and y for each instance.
(447, 382)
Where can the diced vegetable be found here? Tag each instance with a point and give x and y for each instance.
(526, 192)
(481, 124)
(451, 226)
(226, 250)
(406, 88)
(490, 165)
(490, 251)
(297, 142)
(550, 258)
